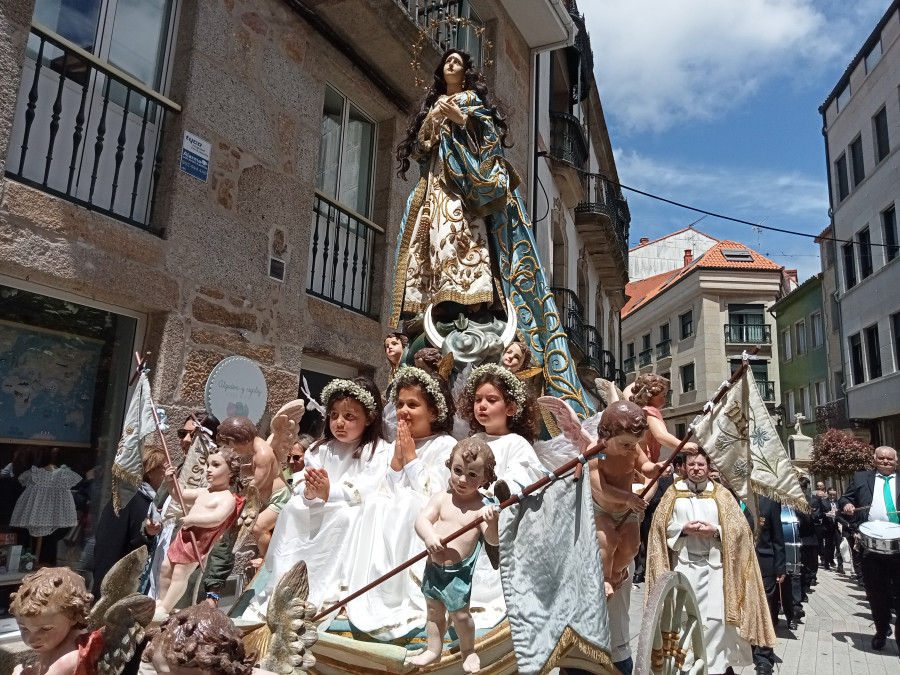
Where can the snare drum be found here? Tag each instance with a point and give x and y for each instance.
(790, 526)
(879, 536)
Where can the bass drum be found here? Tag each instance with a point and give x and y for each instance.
(790, 525)
(879, 536)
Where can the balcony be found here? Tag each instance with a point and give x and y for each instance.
(668, 403)
(832, 415)
(663, 349)
(610, 372)
(341, 256)
(593, 357)
(568, 154)
(619, 378)
(766, 390)
(571, 313)
(87, 132)
(645, 358)
(447, 35)
(748, 334)
(602, 218)
(628, 364)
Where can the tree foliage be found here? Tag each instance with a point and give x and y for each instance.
(840, 453)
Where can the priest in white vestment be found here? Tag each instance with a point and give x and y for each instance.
(700, 531)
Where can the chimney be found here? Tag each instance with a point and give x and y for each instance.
(688, 257)
(644, 240)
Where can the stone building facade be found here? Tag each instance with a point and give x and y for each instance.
(111, 244)
(861, 124)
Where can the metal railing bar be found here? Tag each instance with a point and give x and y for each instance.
(351, 212)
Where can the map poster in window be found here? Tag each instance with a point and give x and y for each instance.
(47, 381)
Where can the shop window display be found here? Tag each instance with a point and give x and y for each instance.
(64, 371)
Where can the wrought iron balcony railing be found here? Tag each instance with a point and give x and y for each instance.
(567, 142)
(766, 389)
(448, 35)
(87, 132)
(593, 356)
(341, 256)
(645, 358)
(609, 365)
(571, 313)
(603, 196)
(736, 333)
(628, 364)
(619, 378)
(664, 349)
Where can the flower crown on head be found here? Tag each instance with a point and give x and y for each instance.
(429, 384)
(351, 389)
(514, 385)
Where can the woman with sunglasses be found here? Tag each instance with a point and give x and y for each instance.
(293, 472)
(186, 433)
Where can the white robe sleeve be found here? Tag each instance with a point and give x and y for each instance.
(522, 466)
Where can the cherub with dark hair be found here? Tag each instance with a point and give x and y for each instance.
(198, 637)
(617, 509)
(447, 582)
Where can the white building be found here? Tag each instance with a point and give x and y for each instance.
(667, 253)
(861, 119)
(693, 324)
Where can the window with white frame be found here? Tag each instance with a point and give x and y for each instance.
(789, 408)
(873, 57)
(800, 330)
(804, 403)
(821, 393)
(817, 328)
(786, 351)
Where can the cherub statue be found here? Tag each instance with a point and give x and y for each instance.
(447, 582)
(52, 608)
(799, 419)
(213, 510)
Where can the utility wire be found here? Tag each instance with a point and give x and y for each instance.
(738, 220)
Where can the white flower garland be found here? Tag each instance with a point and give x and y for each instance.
(353, 390)
(428, 383)
(514, 385)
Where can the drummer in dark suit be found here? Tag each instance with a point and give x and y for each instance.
(877, 495)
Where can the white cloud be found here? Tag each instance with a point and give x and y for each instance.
(661, 62)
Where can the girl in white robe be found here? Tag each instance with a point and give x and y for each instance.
(503, 412)
(385, 535)
(341, 470)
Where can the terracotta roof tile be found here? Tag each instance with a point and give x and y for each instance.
(641, 292)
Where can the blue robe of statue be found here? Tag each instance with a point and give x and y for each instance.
(466, 235)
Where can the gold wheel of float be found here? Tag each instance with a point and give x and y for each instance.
(672, 630)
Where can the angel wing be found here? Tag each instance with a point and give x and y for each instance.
(568, 422)
(121, 581)
(247, 517)
(289, 618)
(528, 373)
(445, 367)
(123, 632)
(285, 425)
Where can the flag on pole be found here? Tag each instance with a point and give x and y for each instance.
(128, 467)
(744, 445)
(553, 577)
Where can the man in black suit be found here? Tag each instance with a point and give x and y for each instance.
(809, 543)
(772, 566)
(877, 495)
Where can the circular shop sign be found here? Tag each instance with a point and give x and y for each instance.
(236, 386)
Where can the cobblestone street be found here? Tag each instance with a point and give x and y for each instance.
(834, 637)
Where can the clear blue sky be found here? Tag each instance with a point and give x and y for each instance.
(714, 103)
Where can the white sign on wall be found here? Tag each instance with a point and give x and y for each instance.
(195, 154)
(236, 386)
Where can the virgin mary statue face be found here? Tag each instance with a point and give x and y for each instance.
(454, 69)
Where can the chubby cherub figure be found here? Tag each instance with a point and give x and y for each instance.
(447, 582)
(52, 607)
(213, 510)
(240, 433)
(617, 510)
